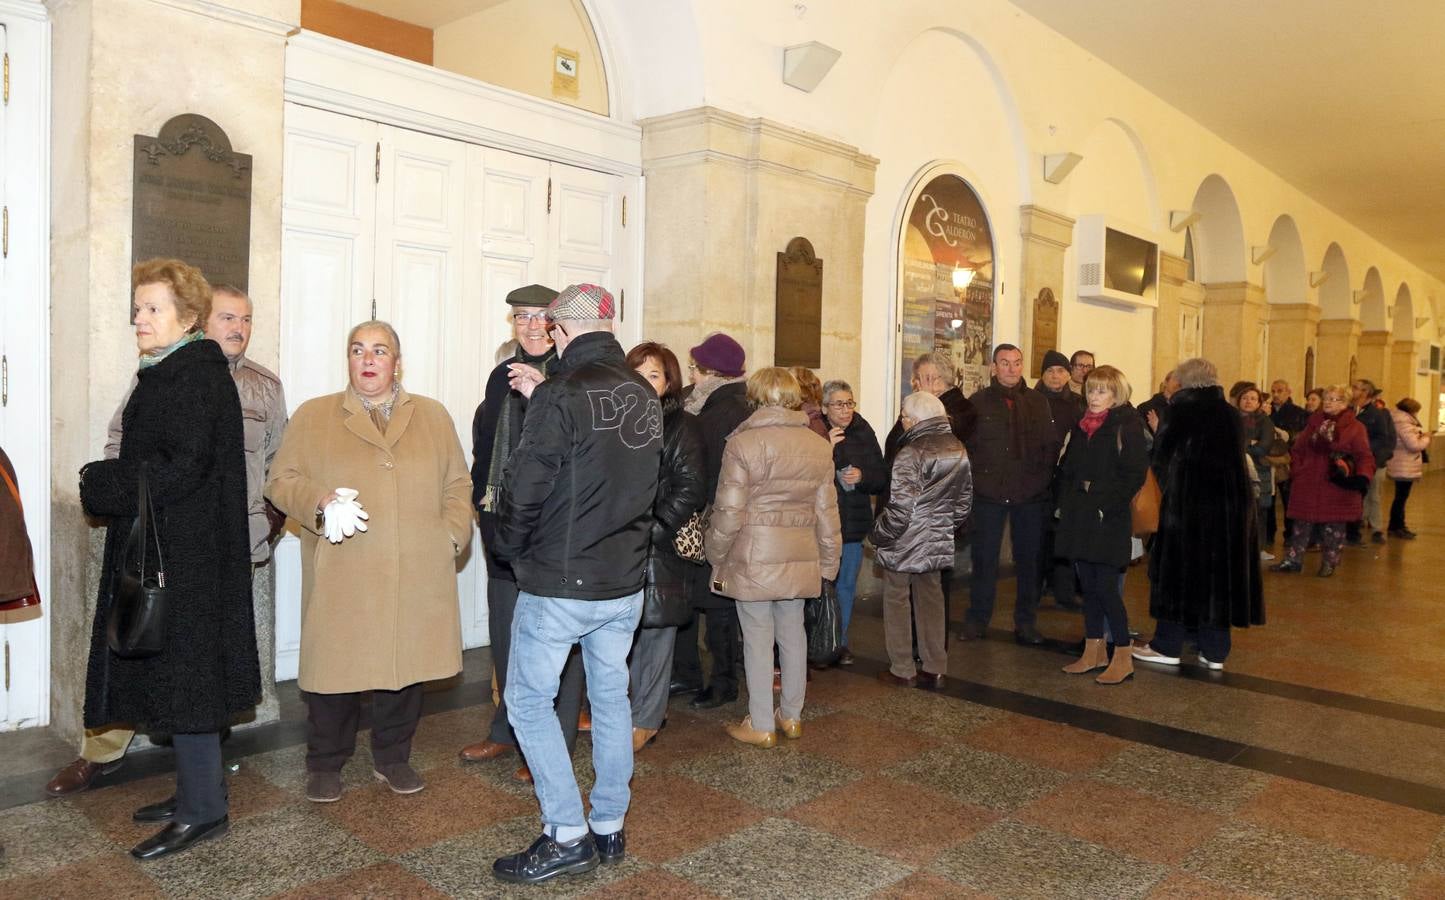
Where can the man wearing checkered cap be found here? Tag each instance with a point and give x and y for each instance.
(574, 520)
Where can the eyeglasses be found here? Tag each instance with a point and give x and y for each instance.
(843, 404)
(523, 318)
(1085, 366)
(692, 367)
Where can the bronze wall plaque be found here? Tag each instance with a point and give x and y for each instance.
(798, 340)
(1046, 328)
(193, 200)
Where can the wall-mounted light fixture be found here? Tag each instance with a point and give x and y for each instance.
(1180, 219)
(805, 65)
(1260, 254)
(1057, 166)
(1360, 295)
(1318, 278)
(962, 278)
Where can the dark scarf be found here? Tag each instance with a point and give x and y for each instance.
(509, 420)
(1012, 397)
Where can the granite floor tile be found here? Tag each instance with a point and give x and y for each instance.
(785, 859)
(1182, 886)
(451, 803)
(441, 736)
(671, 815)
(1046, 743)
(863, 743)
(1344, 820)
(47, 835)
(927, 713)
(843, 690)
(384, 881)
(1122, 819)
(686, 735)
(979, 777)
(907, 822)
(263, 855)
(923, 886)
(775, 779)
(1426, 886)
(111, 809)
(286, 768)
(1012, 859)
(651, 884)
(1217, 787)
(1286, 865)
(120, 877)
(1435, 860)
(462, 866)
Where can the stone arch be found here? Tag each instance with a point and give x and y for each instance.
(1336, 296)
(1115, 177)
(652, 56)
(1404, 314)
(1373, 315)
(1219, 248)
(1286, 277)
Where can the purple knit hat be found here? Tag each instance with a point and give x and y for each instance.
(721, 354)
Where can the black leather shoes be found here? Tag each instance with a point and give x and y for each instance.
(176, 837)
(1029, 635)
(163, 811)
(610, 847)
(675, 688)
(929, 681)
(708, 698)
(546, 859)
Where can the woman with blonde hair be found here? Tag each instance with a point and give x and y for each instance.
(812, 390)
(772, 540)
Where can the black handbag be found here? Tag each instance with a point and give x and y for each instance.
(1343, 474)
(823, 623)
(136, 626)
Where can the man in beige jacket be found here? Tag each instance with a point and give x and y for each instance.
(263, 407)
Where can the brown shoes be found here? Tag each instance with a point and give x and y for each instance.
(523, 775)
(792, 729)
(1121, 667)
(641, 737)
(584, 721)
(77, 776)
(488, 749)
(323, 787)
(889, 678)
(930, 681)
(745, 732)
(1095, 656)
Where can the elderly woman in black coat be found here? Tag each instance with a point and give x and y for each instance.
(667, 601)
(183, 433)
(859, 476)
(1104, 465)
(1204, 562)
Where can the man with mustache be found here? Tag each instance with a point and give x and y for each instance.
(263, 411)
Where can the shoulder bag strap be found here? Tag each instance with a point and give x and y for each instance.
(149, 528)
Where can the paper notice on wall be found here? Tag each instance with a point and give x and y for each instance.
(564, 73)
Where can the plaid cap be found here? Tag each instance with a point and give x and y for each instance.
(582, 301)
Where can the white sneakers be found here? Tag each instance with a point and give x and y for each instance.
(1266, 555)
(1210, 664)
(1146, 653)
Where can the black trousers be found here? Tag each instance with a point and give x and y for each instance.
(686, 661)
(725, 642)
(1026, 528)
(333, 719)
(1397, 506)
(200, 780)
(1102, 602)
(1169, 637)
(501, 608)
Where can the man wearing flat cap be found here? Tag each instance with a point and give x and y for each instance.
(496, 429)
(574, 521)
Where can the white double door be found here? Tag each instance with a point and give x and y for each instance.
(429, 234)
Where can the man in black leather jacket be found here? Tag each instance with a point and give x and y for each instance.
(574, 521)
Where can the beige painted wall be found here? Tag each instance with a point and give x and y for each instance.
(93, 353)
(510, 44)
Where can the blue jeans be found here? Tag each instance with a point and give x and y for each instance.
(848, 565)
(543, 632)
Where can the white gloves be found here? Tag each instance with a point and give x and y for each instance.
(344, 517)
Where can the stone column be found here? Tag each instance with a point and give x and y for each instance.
(1046, 236)
(121, 68)
(1233, 329)
(1176, 317)
(1338, 343)
(1400, 378)
(725, 194)
(1373, 351)
(1292, 329)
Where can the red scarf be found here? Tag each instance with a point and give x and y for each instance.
(1092, 422)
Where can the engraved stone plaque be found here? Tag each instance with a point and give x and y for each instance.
(193, 200)
(798, 340)
(1046, 328)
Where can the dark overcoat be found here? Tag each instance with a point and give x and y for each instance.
(859, 448)
(681, 483)
(726, 408)
(1204, 562)
(1097, 480)
(183, 420)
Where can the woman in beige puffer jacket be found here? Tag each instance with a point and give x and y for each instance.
(772, 539)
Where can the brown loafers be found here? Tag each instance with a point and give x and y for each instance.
(487, 749)
(78, 776)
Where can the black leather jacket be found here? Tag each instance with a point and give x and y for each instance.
(575, 515)
(930, 498)
(680, 487)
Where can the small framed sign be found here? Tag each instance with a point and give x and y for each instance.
(564, 73)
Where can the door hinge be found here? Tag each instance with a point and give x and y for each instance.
(373, 309)
(549, 196)
(4, 380)
(624, 210)
(7, 79)
(622, 302)
(376, 175)
(5, 234)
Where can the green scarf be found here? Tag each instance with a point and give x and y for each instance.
(149, 359)
(509, 426)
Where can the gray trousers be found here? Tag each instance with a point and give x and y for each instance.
(927, 616)
(651, 673)
(765, 622)
(200, 782)
(501, 607)
(1374, 509)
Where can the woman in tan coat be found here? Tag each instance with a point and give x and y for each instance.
(772, 539)
(379, 596)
